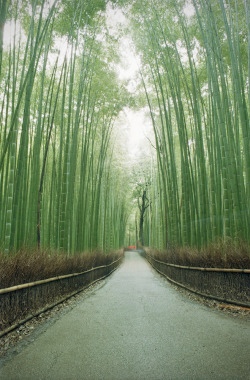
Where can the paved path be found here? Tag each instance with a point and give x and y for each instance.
(136, 327)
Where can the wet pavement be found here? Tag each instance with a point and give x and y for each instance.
(136, 326)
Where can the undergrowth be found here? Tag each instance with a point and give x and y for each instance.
(220, 254)
(33, 265)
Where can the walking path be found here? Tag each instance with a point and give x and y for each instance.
(136, 326)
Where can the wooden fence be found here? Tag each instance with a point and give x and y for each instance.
(20, 303)
(225, 285)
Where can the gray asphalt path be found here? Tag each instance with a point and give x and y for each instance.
(136, 327)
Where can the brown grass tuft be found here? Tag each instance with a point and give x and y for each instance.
(33, 265)
(220, 254)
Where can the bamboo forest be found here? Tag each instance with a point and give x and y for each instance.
(76, 174)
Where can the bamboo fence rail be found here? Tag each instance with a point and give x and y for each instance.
(22, 302)
(222, 284)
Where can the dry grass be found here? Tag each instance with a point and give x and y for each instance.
(27, 266)
(220, 254)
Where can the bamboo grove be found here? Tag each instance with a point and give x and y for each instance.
(61, 183)
(196, 70)
(58, 183)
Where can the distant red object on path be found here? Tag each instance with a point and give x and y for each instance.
(132, 247)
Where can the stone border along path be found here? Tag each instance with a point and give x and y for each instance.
(136, 326)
